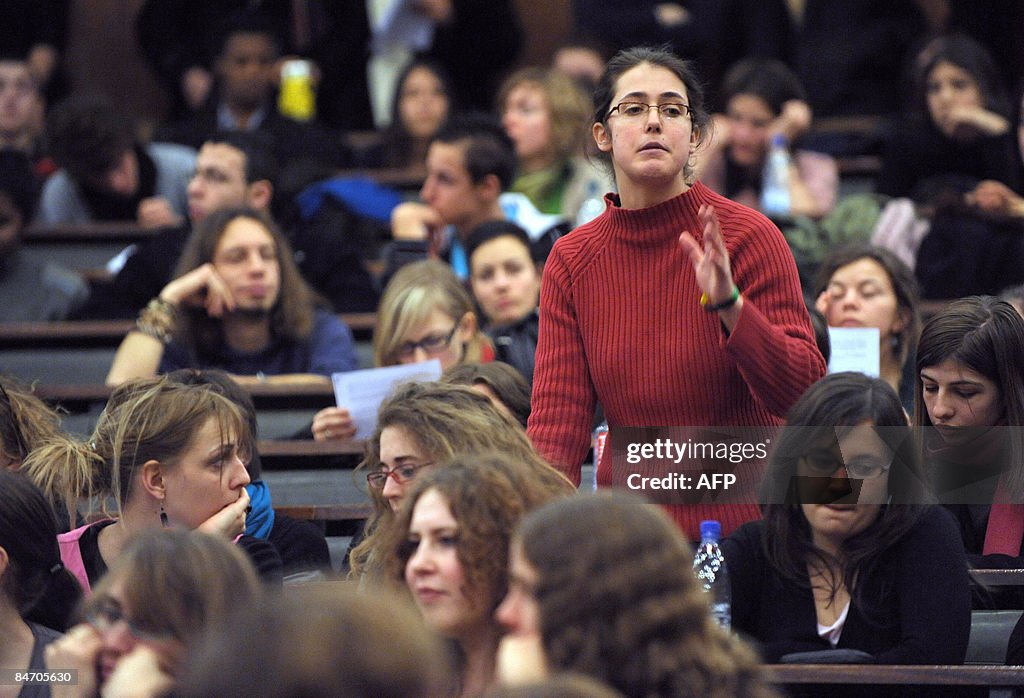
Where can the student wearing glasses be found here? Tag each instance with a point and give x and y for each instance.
(676, 306)
(850, 561)
(425, 313)
(163, 591)
(420, 427)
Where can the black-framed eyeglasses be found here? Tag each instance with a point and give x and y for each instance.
(637, 110)
(432, 344)
(400, 474)
(825, 463)
(106, 613)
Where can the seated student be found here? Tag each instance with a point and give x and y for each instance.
(602, 585)
(161, 594)
(504, 386)
(33, 288)
(328, 640)
(868, 286)
(506, 284)
(425, 313)
(422, 102)
(238, 303)
(420, 427)
(232, 170)
(106, 175)
(470, 162)
(849, 555)
(547, 116)
(168, 455)
(956, 139)
(37, 594)
(301, 544)
(243, 100)
(970, 399)
(449, 547)
(765, 100)
(21, 114)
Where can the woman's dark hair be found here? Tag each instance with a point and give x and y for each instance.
(968, 55)
(768, 79)
(399, 147)
(904, 285)
(35, 582)
(619, 601)
(986, 335)
(507, 383)
(826, 413)
(492, 230)
(291, 317)
(663, 57)
(821, 338)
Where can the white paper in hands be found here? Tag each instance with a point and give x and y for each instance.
(361, 392)
(854, 349)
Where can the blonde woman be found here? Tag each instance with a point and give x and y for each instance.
(425, 313)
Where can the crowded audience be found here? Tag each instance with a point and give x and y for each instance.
(587, 241)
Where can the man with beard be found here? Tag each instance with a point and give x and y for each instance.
(238, 303)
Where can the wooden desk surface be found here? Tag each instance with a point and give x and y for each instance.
(905, 675)
(84, 333)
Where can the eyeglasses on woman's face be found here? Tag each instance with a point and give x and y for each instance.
(825, 463)
(633, 110)
(433, 344)
(400, 474)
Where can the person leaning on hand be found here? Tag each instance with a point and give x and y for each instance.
(239, 304)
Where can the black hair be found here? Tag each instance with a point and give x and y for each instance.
(36, 581)
(769, 79)
(491, 230)
(969, 55)
(88, 137)
(489, 150)
(829, 409)
(258, 149)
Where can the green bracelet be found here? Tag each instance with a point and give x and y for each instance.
(729, 302)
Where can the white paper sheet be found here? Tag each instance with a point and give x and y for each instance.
(854, 349)
(361, 392)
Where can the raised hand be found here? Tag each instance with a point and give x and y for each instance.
(710, 261)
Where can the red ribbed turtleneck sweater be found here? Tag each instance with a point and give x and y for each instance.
(620, 323)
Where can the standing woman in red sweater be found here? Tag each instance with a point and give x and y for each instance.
(676, 306)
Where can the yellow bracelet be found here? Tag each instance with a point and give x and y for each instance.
(729, 302)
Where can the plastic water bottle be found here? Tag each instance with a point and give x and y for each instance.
(775, 180)
(592, 206)
(599, 442)
(712, 574)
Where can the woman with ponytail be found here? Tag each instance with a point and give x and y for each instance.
(167, 455)
(37, 593)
